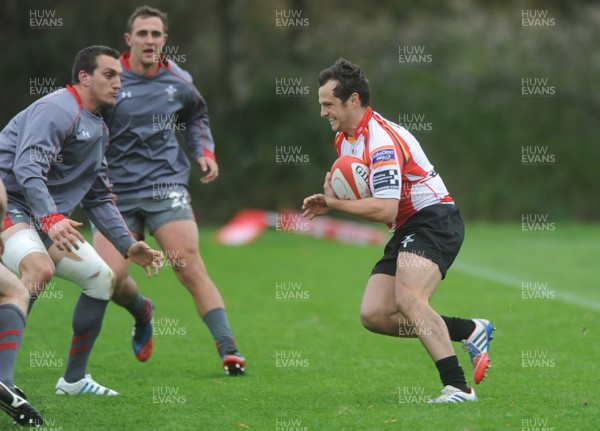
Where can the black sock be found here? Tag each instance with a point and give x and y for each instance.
(459, 329)
(32, 298)
(451, 373)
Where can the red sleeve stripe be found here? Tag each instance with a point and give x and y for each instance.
(50, 220)
(209, 154)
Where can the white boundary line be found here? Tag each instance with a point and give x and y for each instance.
(515, 283)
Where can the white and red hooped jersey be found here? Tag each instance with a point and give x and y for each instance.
(398, 166)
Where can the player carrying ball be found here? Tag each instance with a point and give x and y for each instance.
(411, 198)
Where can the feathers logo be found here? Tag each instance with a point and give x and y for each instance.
(170, 90)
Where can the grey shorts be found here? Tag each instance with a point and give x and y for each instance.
(155, 212)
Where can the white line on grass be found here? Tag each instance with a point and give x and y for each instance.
(516, 283)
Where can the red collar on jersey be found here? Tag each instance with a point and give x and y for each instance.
(362, 126)
(75, 94)
(164, 62)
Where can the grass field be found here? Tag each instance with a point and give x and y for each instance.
(311, 365)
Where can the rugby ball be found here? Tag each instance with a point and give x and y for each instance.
(350, 178)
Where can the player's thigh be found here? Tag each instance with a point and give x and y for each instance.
(171, 221)
(108, 252)
(25, 254)
(417, 277)
(379, 297)
(179, 240)
(14, 229)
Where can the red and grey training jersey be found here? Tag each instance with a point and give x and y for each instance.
(398, 166)
(52, 159)
(144, 153)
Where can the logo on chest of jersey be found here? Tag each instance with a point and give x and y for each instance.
(170, 90)
(383, 157)
(125, 94)
(83, 134)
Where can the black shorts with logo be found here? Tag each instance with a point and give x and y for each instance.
(436, 232)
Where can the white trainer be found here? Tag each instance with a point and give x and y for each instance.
(87, 385)
(450, 394)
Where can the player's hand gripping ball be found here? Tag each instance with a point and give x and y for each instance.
(350, 178)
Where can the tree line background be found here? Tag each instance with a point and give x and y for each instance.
(468, 96)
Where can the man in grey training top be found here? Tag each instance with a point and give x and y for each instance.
(150, 173)
(51, 160)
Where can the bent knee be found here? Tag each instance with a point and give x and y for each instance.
(38, 270)
(99, 285)
(191, 274)
(85, 268)
(371, 319)
(120, 276)
(367, 322)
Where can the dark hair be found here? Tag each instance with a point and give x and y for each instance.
(350, 80)
(145, 12)
(86, 59)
